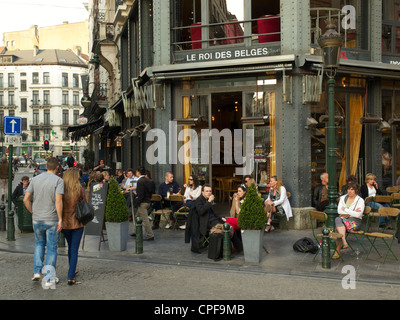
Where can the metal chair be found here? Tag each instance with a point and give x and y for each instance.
(318, 216)
(360, 234)
(182, 211)
(162, 212)
(384, 212)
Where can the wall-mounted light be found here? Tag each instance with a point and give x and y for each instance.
(384, 126)
(394, 121)
(311, 123)
(96, 60)
(370, 120)
(325, 118)
(255, 120)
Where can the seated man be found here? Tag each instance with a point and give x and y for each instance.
(168, 187)
(202, 218)
(320, 198)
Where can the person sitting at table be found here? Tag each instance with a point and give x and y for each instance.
(237, 200)
(351, 178)
(371, 189)
(350, 209)
(100, 167)
(165, 189)
(277, 202)
(192, 192)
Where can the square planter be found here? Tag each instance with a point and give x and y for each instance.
(252, 245)
(117, 235)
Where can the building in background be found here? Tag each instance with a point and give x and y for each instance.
(44, 88)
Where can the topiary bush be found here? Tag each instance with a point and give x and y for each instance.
(252, 214)
(116, 208)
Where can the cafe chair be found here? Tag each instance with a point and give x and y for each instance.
(218, 189)
(319, 216)
(386, 237)
(163, 212)
(182, 211)
(228, 188)
(395, 203)
(360, 234)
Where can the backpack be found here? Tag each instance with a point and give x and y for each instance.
(305, 245)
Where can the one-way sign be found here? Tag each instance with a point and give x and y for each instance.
(12, 125)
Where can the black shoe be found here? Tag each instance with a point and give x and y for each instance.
(148, 239)
(155, 226)
(133, 235)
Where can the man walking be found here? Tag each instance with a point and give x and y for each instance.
(144, 190)
(47, 190)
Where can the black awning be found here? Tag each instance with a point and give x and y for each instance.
(85, 129)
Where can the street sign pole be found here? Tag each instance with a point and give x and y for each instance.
(10, 157)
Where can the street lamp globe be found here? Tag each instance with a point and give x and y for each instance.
(331, 43)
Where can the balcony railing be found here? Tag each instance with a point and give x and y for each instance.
(226, 33)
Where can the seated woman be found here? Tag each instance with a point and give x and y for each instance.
(277, 202)
(350, 209)
(237, 200)
(192, 192)
(371, 189)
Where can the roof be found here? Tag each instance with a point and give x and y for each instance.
(44, 57)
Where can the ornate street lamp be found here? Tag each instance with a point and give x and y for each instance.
(331, 42)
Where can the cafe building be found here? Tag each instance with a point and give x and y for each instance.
(200, 80)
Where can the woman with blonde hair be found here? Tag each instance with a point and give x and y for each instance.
(277, 202)
(72, 228)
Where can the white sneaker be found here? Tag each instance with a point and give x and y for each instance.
(182, 227)
(167, 226)
(52, 282)
(36, 277)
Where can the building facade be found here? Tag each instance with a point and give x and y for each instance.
(44, 88)
(188, 67)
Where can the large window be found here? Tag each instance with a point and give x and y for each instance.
(391, 26)
(201, 24)
(351, 19)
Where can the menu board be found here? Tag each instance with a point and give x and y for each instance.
(97, 198)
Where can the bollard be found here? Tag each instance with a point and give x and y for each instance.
(326, 252)
(139, 235)
(227, 248)
(10, 226)
(2, 217)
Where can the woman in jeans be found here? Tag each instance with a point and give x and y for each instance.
(72, 228)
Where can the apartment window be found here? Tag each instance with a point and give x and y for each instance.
(65, 98)
(23, 104)
(35, 97)
(64, 80)
(11, 101)
(46, 77)
(36, 135)
(1, 81)
(76, 99)
(23, 85)
(1, 99)
(24, 123)
(11, 80)
(11, 113)
(75, 80)
(35, 117)
(46, 117)
(76, 116)
(46, 97)
(65, 117)
(35, 77)
(391, 26)
(1, 118)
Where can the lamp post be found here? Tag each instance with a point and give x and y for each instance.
(331, 43)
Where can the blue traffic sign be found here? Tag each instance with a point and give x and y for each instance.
(12, 125)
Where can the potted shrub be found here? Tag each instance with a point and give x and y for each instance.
(117, 218)
(252, 222)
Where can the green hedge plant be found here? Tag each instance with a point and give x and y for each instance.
(116, 208)
(252, 214)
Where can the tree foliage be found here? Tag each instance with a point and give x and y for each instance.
(252, 214)
(116, 208)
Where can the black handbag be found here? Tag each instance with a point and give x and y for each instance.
(84, 212)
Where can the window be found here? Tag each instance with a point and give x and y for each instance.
(23, 104)
(11, 113)
(1, 81)
(391, 27)
(36, 135)
(75, 80)
(35, 77)
(24, 123)
(23, 85)
(227, 22)
(351, 19)
(35, 97)
(65, 117)
(46, 77)
(11, 101)
(64, 80)
(11, 80)
(65, 98)
(76, 116)
(46, 117)
(1, 99)
(35, 117)
(46, 97)
(76, 98)
(1, 118)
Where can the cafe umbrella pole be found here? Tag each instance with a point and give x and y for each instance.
(10, 220)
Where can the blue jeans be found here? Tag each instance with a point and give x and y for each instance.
(376, 206)
(46, 236)
(73, 237)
